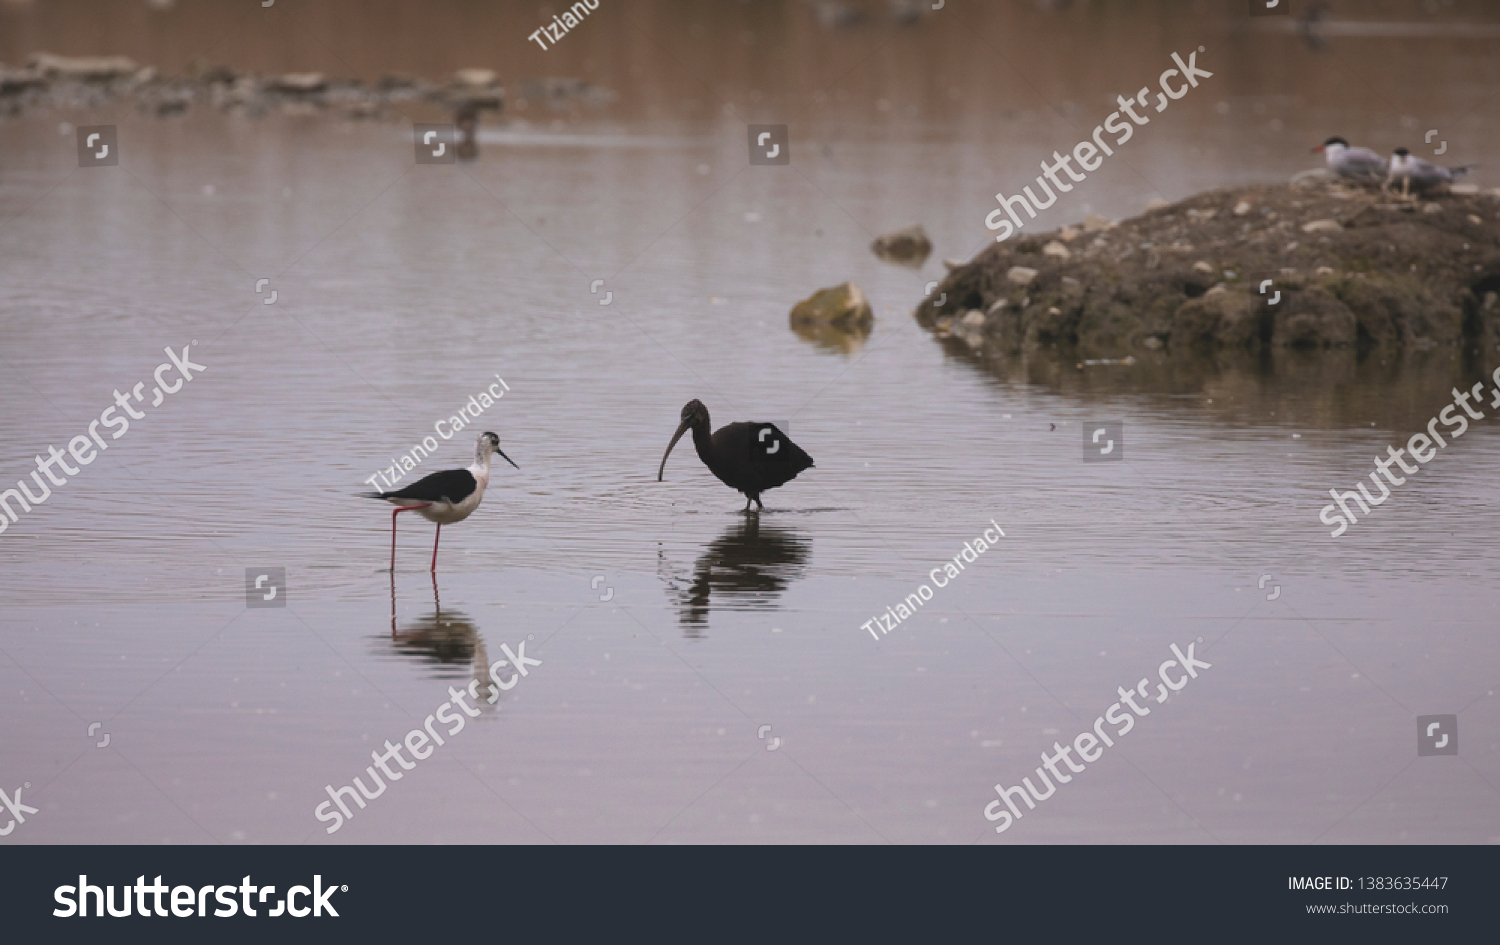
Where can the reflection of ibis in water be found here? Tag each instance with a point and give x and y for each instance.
(749, 457)
(749, 566)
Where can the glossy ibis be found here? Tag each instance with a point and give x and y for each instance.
(444, 497)
(749, 457)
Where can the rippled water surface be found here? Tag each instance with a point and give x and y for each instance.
(673, 629)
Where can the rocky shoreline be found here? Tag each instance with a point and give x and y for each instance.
(48, 83)
(1347, 268)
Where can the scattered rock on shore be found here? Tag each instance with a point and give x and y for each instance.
(51, 82)
(81, 68)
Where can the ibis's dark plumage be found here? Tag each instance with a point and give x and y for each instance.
(748, 457)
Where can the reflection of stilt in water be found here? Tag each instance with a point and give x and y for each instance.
(444, 637)
(748, 566)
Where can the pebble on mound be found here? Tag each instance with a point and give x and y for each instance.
(1352, 268)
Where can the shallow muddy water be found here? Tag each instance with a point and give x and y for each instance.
(672, 629)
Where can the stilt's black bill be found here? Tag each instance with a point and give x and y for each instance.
(506, 458)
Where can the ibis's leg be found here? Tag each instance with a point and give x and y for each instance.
(434, 546)
(759, 506)
(747, 503)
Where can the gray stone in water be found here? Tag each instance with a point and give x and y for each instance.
(842, 306)
(909, 247)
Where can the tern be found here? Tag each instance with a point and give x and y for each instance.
(748, 457)
(1419, 175)
(1359, 164)
(444, 497)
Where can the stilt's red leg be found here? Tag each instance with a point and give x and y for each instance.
(398, 511)
(435, 537)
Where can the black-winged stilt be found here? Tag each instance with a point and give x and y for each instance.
(444, 497)
(749, 457)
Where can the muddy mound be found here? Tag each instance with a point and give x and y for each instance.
(1253, 268)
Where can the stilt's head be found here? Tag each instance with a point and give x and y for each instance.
(489, 443)
(693, 414)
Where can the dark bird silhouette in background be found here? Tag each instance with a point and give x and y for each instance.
(749, 457)
(1310, 27)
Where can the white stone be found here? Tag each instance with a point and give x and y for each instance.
(1020, 275)
(476, 78)
(1321, 226)
(1056, 249)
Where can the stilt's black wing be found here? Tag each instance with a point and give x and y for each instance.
(452, 485)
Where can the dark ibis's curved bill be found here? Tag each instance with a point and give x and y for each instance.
(506, 458)
(683, 428)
